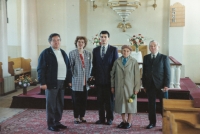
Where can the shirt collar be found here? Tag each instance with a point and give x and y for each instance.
(126, 57)
(55, 49)
(154, 54)
(105, 46)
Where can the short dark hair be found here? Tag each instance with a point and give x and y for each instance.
(105, 32)
(53, 35)
(80, 38)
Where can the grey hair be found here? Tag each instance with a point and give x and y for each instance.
(154, 42)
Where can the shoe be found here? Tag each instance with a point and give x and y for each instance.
(76, 122)
(121, 125)
(83, 120)
(127, 125)
(100, 122)
(61, 126)
(150, 126)
(53, 128)
(109, 122)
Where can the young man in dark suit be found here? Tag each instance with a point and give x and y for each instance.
(155, 79)
(103, 59)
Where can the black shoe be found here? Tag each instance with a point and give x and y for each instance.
(127, 125)
(121, 125)
(61, 126)
(109, 122)
(53, 128)
(76, 122)
(100, 122)
(150, 126)
(83, 121)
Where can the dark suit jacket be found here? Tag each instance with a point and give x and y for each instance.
(159, 71)
(101, 68)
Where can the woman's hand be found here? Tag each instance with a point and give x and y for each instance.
(43, 87)
(135, 92)
(112, 90)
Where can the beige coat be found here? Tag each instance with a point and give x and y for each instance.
(125, 80)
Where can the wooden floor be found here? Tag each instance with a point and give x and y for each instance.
(5, 101)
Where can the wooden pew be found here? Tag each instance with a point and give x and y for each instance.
(20, 62)
(186, 117)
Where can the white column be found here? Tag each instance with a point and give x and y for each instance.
(25, 27)
(172, 77)
(33, 34)
(177, 76)
(3, 38)
(29, 34)
(29, 31)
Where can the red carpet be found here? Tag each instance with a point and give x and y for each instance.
(33, 121)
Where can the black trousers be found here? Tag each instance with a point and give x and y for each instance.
(152, 94)
(105, 101)
(79, 99)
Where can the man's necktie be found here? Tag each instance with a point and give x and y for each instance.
(103, 52)
(153, 58)
(124, 61)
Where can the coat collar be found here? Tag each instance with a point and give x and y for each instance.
(119, 61)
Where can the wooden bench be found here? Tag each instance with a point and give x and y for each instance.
(20, 62)
(14, 63)
(186, 117)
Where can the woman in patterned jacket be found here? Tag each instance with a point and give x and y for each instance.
(80, 61)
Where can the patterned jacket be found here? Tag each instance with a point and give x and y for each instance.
(77, 69)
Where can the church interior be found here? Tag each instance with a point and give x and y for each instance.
(25, 26)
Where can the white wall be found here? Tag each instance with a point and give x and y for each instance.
(13, 25)
(153, 24)
(72, 18)
(191, 40)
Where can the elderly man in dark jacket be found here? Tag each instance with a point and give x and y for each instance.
(155, 79)
(54, 74)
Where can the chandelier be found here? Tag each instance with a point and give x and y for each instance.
(124, 7)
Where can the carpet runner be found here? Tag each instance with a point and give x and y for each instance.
(33, 121)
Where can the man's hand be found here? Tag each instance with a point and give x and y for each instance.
(70, 84)
(112, 90)
(165, 89)
(92, 77)
(43, 87)
(145, 90)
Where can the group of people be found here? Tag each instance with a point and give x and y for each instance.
(116, 80)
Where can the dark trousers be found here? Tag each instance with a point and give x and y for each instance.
(79, 99)
(54, 104)
(152, 93)
(105, 101)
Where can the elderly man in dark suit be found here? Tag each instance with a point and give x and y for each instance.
(155, 79)
(103, 59)
(54, 74)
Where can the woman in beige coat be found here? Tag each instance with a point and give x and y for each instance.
(125, 81)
